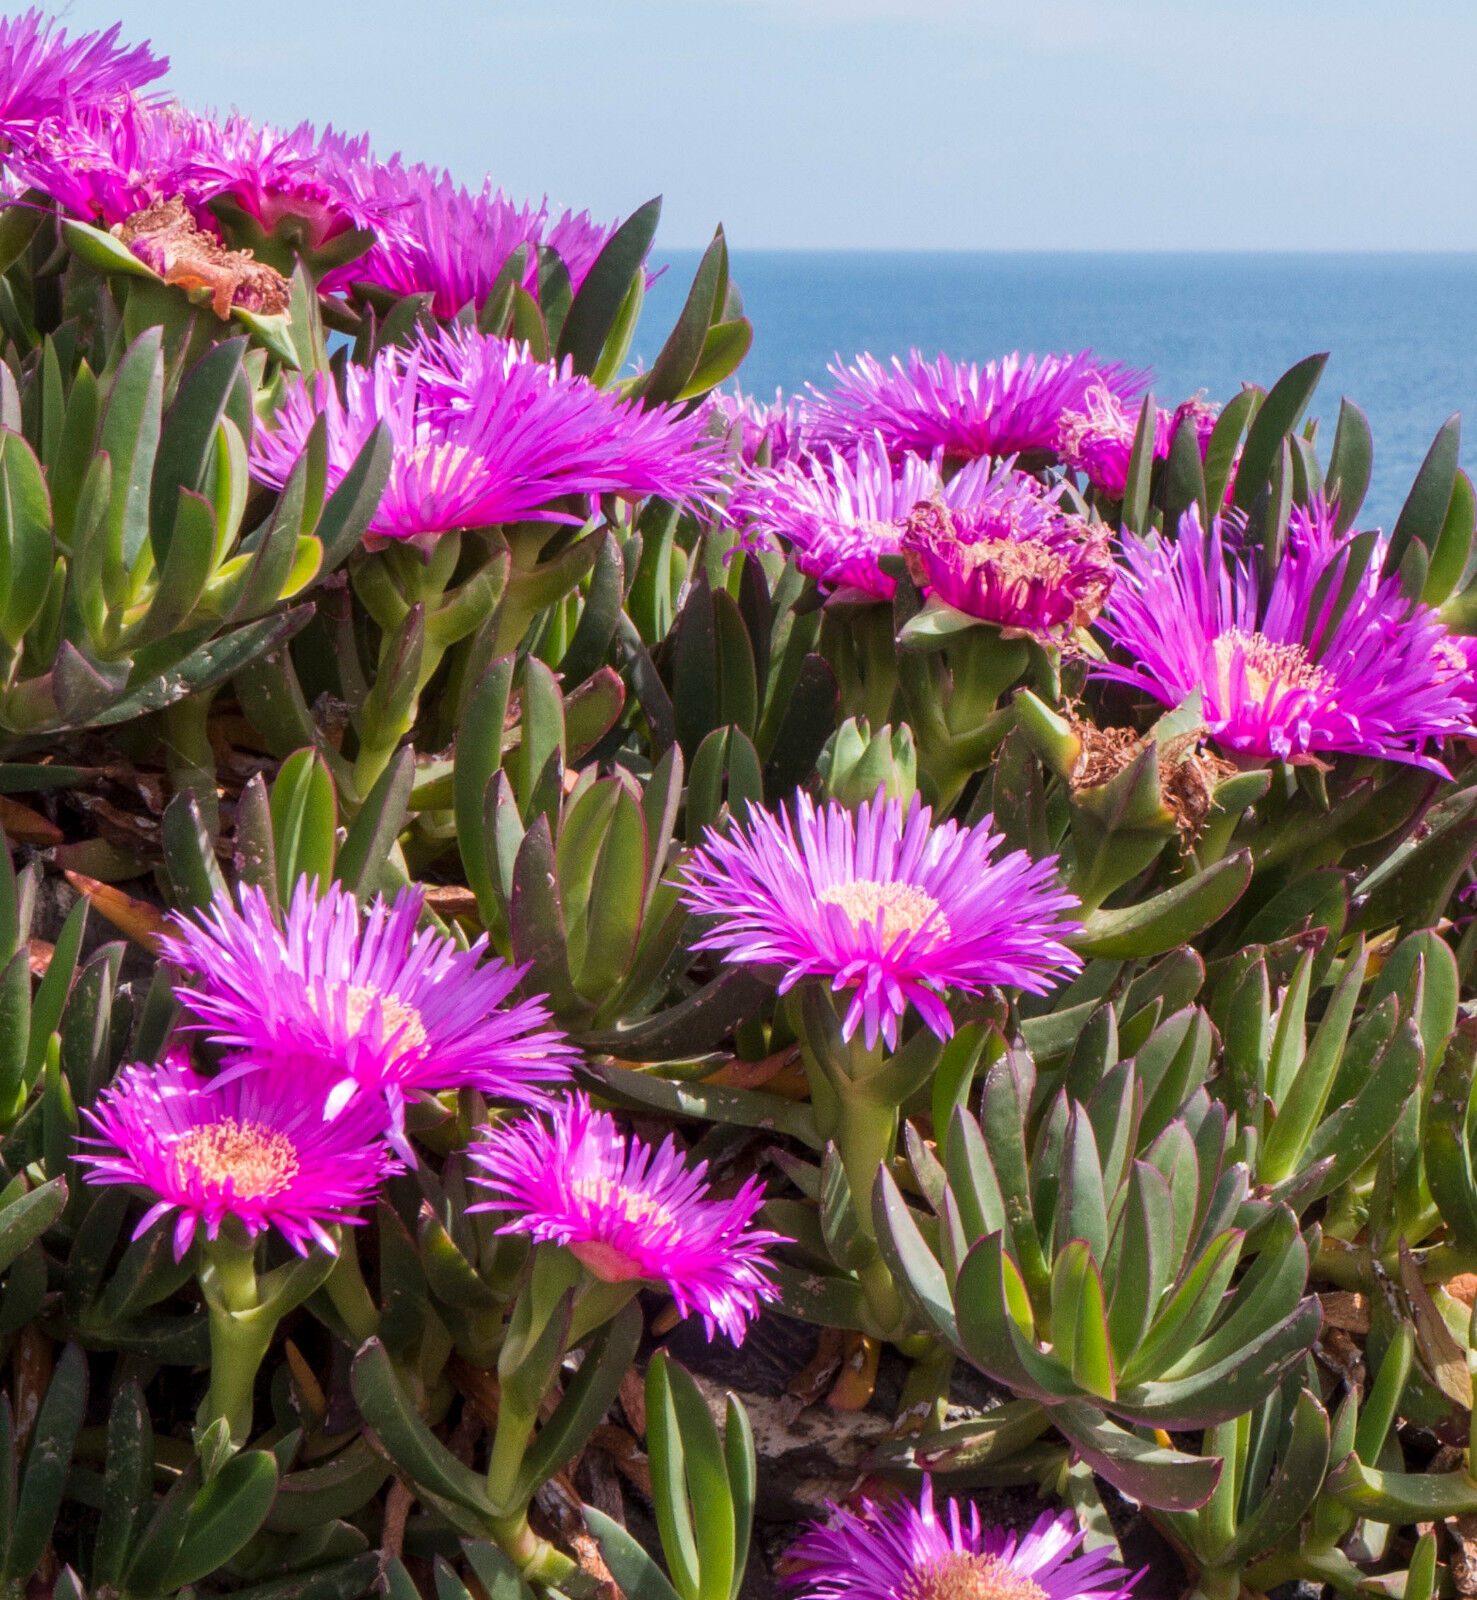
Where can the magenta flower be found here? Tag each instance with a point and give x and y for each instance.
(443, 240)
(896, 1551)
(1286, 671)
(104, 168)
(387, 1010)
(629, 1213)
(258, 1147)
(44, 75)
(1011, 556)
(1003, 408)
(776, 431)
(838, 517)
(314, 184)
(884, 904)
(1097, 440)
(484, 434)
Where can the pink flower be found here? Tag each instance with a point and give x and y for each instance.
(629, 1213)
(898, 1551)
(965, 411)
(881, 903)
(484, 434)
(45, 76)
(384, 1009)
(1008, 554)
(257, 1147)
(1316, 662)
(448, 242)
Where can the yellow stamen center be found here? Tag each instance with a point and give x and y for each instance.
(961, 1576)
(439, 458)
(258, 1161)
(1271, 669)
(1449, 658)
(607, 1261)
(905, 908)
(399, 1021)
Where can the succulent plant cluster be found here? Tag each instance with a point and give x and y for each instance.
(507, 851)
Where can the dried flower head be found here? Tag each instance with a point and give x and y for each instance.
(166, 238)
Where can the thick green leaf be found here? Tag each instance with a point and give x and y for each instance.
(678, 358)
(1349, 464)
(1424, 512)
(224, 1514)
(1276, 417)
(48, 1459)
(595, 308)
(412, 1446)
(304, 823)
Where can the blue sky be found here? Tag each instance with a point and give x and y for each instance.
(1043, 124)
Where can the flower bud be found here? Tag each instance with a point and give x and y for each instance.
(856, 762)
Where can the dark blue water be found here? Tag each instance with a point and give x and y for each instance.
(1401, 329)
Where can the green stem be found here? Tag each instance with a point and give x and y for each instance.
(534, 1557)
(240, 1331)
(349, 1294)
(509, 1444)
(983, 665)
(1353, 1268)
(189, 755)
(925, 1396)
(864, 1131)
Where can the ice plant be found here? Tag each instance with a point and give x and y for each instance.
(254, 1147)
(630, 1214)
(776, 431)
(838, 515)
(451, 243)
(898, 1551)
(314, 185)
(484, 434)
(233, 1157)
(387, 1010)
(104, 168)
(882, 905)
(1298, 669)
(1097, 439)
(1010, 555)
(966, 411)
(44, 75)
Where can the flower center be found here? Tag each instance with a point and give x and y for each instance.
(605, 1197)
(961, 1576)
(256, 1160)
(440, 459)
(1015, 561)
(905, 908)
(1269, 667)
(400, 1021)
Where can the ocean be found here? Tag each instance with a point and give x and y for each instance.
(1401, 330)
